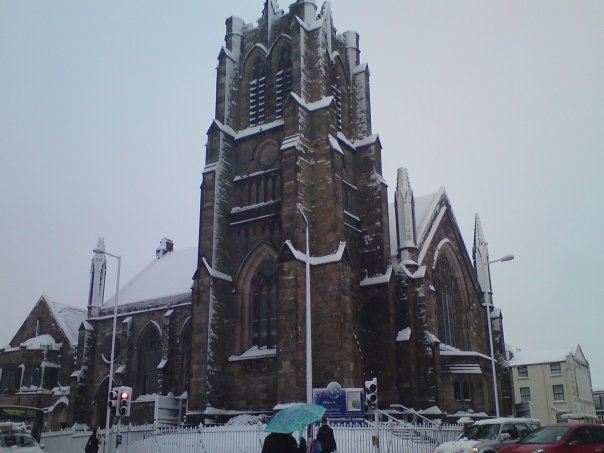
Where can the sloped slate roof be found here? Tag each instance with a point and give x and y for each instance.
(170, 275)
(69, 318)
(539, 357)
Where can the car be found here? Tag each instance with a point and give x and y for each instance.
(487, 436)
(567, 438)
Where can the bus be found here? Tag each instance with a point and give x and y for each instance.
(31, 417)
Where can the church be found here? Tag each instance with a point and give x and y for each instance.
(292, 154)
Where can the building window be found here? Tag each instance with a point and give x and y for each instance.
(264, 308)
(555, 369)
(451, 329)
(149, 355)
(258, 94)
(523, 372)
(283, 80)
(457, 391)
(467, 391)
(51, 378)
(525, 394)
(558, 392)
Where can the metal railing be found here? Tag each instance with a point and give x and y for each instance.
(394, 436)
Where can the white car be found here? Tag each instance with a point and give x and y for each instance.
(487, 436)
(18, 442)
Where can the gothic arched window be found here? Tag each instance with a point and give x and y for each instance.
(264, 307)
(258, 93)
(451, 328)
(283, 80)
(149, 356)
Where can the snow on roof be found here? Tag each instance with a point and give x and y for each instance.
(69, 318)
(170, 275)
(533, 358)
(254, 353)
(40, 342)
(446, 350)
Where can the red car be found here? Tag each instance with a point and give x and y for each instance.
(561, 438)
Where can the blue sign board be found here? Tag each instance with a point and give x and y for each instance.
(340, 402)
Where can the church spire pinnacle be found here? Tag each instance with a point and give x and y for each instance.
(270, 12)
(481, 257)
(405, 214)
(97, 276)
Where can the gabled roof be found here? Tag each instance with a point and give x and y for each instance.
(170, 275)
(69, 318)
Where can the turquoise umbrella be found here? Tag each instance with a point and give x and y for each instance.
(295, 418)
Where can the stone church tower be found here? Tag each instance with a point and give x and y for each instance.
(293, 125)
(394, 292)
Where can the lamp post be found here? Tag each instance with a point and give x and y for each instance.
(110, 386)
(309, 398)
(488, 299)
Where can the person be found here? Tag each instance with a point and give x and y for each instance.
(326, 437)
(302, 445)
(92, 446)
(280, 443)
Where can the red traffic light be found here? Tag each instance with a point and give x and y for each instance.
(124, 395)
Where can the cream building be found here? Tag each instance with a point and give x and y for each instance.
(553, 387)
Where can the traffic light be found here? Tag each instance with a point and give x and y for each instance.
(112, 403)
(123, 401)
(371, 389)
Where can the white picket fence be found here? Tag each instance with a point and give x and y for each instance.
(393, 438)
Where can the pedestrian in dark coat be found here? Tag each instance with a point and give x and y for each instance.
(92, 446)
(280, 443)
(326, 437)
(302, 445)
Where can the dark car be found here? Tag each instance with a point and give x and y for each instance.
(562, 438)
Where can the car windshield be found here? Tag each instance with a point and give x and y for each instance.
(17, 441)
(481, 432)
(544, 436)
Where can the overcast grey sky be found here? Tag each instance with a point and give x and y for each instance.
(104, 107)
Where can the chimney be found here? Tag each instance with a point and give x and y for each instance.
(165, 246)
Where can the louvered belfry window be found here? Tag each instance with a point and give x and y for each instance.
(283, 80)
(336, 92)
(258, 94)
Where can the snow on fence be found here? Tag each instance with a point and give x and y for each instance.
(394, 438)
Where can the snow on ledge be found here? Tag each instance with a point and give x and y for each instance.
(254, 353)
(250, 131)
(318, 260)
(378, 279)
(313, 106)
(217, 274)
(404, 335)
(335, 145)
(282, 406)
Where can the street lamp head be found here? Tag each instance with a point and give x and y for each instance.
(102, 252)
(507, 258)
